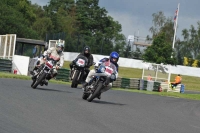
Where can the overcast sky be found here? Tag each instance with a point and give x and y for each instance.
(136, 15)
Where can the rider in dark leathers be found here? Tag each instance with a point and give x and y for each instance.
(88, 55)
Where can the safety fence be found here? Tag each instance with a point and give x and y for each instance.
(5, 65)
(63, 75)
(130, 83)
(140, 84)
(134, 83)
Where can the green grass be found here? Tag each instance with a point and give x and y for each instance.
(15, 76)
(168, 94)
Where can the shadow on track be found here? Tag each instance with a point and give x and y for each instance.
(104, 102)
(44, 89)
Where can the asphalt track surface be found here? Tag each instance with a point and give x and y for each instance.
(60, 109)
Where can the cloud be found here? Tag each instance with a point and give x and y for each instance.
(135, 15)
(130, 24)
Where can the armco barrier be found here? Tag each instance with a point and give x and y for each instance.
(63, 75)
(5, 65)
(134, 83)
(117, 83)
(156, 86)
(145, 85)
(149, 85)
(126, 83)
(141, 84)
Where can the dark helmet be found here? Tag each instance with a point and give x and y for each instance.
(86, 48)
(114, 55)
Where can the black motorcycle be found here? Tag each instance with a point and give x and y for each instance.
(44, 71)
(78, 71)
(97, 83)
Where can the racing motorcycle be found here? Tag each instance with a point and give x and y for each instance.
(45, 71)
(97, 83)
(78, 71)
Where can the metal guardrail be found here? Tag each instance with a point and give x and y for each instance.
(63, 75)
(5, 65)
(126, 83)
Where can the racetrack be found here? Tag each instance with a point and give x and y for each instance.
(60, 109)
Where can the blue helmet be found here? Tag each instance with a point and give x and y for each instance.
(114, 55)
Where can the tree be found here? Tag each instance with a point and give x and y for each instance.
(120, 44)
(159, 20)
(95, 24)
(13, 20)
(189, 47)
(162, 24)
(160, 51)
(42, 26)
(179, 52)
(137, 54)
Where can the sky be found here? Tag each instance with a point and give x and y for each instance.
(135, 16)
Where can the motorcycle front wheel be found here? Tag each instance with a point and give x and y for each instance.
(75, 79)
(39, 80)
(85, 96)
(96, 92)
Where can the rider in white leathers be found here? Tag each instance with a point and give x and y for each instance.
(57, 54)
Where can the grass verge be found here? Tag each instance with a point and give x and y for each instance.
(15, 76)
(168, 94)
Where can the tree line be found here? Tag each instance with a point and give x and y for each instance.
(84, 22)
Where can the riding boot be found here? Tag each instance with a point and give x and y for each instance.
(84, 86)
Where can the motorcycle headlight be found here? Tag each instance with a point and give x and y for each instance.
(102, 69)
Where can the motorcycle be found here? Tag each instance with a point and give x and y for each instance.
(78, 71)
(45, 71)
(97, 83)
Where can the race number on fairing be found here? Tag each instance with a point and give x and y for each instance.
(81, 61)
(109, 70)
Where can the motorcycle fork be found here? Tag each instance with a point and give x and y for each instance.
(42, 71)
(73, 73)
(79, 76)
(94, 85)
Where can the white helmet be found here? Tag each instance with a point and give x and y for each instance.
(61, 45)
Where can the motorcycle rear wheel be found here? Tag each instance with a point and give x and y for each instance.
(33, 82)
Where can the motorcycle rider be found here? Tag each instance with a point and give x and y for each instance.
(114, 57)
(86, 53)
(57, 54)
